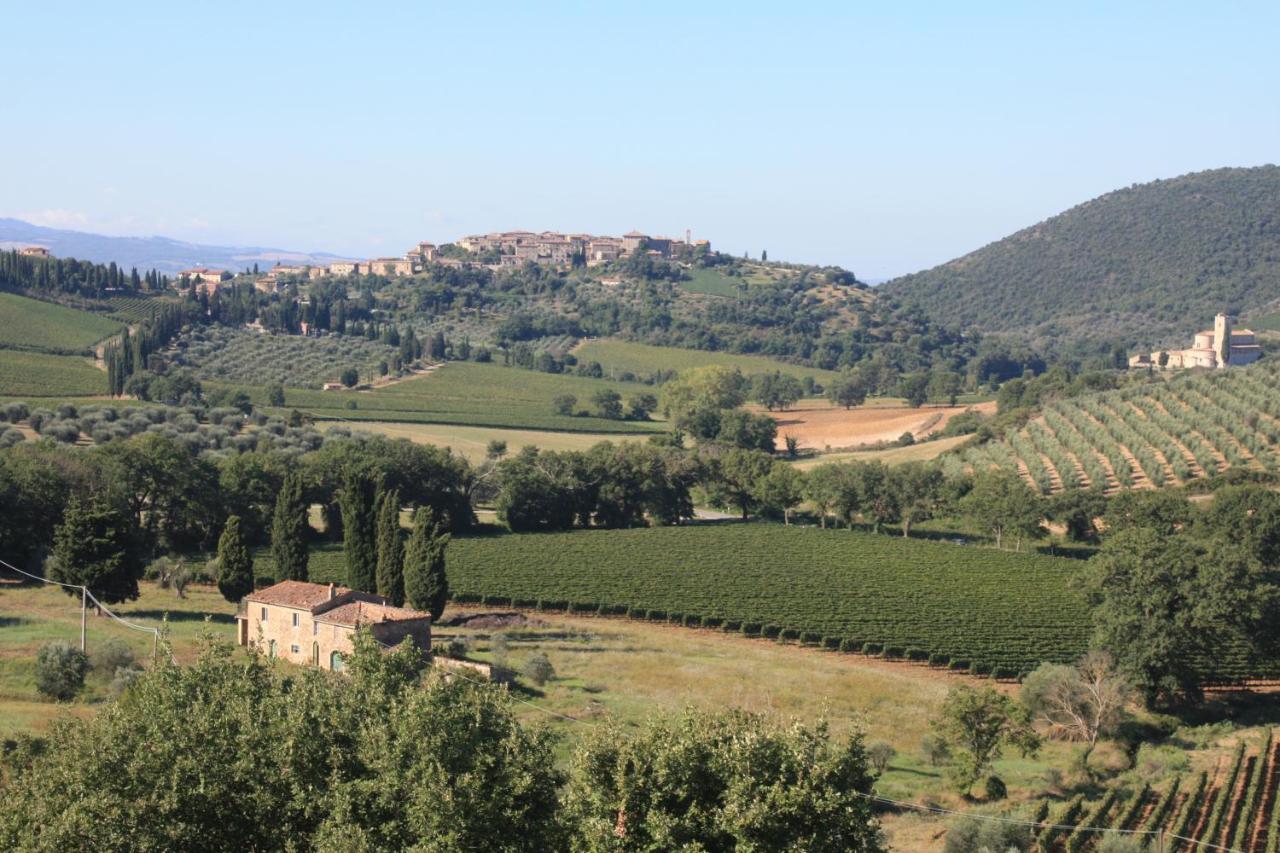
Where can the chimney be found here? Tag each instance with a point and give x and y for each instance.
(333, 592)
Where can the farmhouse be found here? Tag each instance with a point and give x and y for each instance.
(311, 623)
(34, 252)
(1221, 346)
(203, 275)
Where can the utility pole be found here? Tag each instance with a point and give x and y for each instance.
(84, 606)
(1160, 840)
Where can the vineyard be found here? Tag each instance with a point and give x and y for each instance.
(37, 374)
(643, 359)
(31, 324)
(1165, 433)
(1232, 806)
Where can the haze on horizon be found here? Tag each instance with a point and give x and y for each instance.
(882, 140)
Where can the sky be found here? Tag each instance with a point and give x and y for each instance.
(883, 137)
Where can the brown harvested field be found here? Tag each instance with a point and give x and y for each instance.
(823, 427)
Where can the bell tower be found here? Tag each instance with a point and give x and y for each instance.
(1222, 339)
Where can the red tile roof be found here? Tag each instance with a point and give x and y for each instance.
(298, 594)
(355, 613)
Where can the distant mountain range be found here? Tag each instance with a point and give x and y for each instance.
(161, 253)
(1148, 264)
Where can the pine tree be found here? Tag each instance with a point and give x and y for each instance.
(357, 531)
(235, 564)
(390, 549)
(94, 546)
(289, 531)
(425, 582)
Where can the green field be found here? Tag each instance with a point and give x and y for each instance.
(472, 442)
(470, 394)
(32, 324)
(642, 359)
(711, 282)
(26, 375)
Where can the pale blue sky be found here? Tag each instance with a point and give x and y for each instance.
(885, 137)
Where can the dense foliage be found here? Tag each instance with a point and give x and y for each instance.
(1147, 264)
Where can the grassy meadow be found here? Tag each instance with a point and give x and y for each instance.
(471, 442)
(643, 359)
(31, 324)
(471, 394)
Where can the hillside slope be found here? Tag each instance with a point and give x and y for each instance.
(1147, 264)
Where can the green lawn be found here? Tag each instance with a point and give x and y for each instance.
(712, 282)
(32, 324)
(466, 393)
(29, 375)
(643, 359)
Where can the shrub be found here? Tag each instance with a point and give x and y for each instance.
(657, 615)
(635, 612)
(851, 646)
(114, 654)
(996, 788)
(712, 622)
(979, 668)
(788, 634)
(958, 664)
(457, 648)
(732, 625)
(752, 629)
(935, 749)
(538, 669)
(809, 638)
(60, 671)
(770, 631)
(833, 643)
(880, 754)
(124, 677)
(872, 648)
(894, 652)
(675, 618)
(692, 621)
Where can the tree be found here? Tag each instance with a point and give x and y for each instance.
(849, 390)
(945, 385)
(823, 486)
(95, 547)
(1164, 604)
(390, 572)
(538, 669)
(349, 377)
(358, 544)
(641, 406)
(914, 388)
(60, 671)
(235, 563)
(747, 430)
(726, 781)
(976, 724)
(1001, 503)
(781, 489)
(1080, 703)
(714, 386)
(738, 476)
(564, 404)
(608, 404)
(1079, 510)
(918, 492)
(776, 390)
(1162, 510)
(275, 395)
(425, 582)
(289, 528)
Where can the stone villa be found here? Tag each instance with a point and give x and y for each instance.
(1222, 346)
(311, 623)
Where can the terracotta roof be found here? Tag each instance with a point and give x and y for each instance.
(364, 612)
(298, 594)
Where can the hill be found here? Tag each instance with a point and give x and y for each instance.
(35, 325)
(1148, 264)
(162, 253)
(1166, 433)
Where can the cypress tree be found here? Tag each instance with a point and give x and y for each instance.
(357, 531)
(235, 564)
(289, 531)
(94, 546)
(425, 582)
(390, 549)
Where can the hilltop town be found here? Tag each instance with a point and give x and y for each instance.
(495, 250)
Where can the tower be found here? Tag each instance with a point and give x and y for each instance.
(688, 236)
(1222, 339)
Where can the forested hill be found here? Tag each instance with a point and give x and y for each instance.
(1148, 264)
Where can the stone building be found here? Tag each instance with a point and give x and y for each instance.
(310, 623)
(34, 252)
(1222, 346)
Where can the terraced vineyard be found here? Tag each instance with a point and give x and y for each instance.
(1145, 436)
(1234, 807)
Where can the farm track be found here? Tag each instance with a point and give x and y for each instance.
(1187, 456)
(1270, 784)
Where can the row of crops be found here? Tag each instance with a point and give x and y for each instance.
(1160, 434)
(1234, 807)
(234, 355)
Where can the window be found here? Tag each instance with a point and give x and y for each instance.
(335, 662)
(293, 650)
(264, 614)
(315, 629)
(295, 620)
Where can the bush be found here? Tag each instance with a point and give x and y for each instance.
(60, 671)
(917, 654)
(125, 676)
(734, 625)
(996, 788)
(971, 835)
(712, 622)
(691, 621)
(880, 754)
(872, 648)
(850, 646)
(894, 652)
(657, 615)
(752, 629)
(935, 749)
(114, 654)
(809, 638)
(771, 631)
(788, 634)
(457, 648)
(833, 643)
(538, 669)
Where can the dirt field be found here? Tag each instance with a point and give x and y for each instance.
(822, 427)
